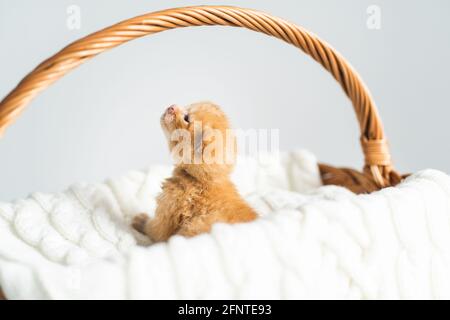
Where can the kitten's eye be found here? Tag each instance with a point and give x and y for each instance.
(186, 117)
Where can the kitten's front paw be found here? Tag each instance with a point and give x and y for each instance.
(140, 221)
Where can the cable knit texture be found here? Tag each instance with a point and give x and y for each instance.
(310, 241)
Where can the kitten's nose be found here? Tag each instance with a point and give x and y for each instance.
(172, 109)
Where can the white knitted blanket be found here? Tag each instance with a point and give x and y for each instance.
(310, 241)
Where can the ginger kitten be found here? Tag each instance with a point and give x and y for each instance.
(200, 192)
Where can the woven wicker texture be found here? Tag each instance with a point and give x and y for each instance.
(378, 169)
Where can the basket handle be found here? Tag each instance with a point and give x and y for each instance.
(374, 144)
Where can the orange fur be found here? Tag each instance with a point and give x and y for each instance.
(198, 194)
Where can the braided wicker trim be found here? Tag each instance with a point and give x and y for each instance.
(378, 163)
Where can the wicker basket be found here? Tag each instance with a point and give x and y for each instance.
(378, 171)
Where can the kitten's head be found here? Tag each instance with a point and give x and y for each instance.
(200, 138)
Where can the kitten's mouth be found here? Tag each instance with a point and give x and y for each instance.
(173, 112)
(170, 114)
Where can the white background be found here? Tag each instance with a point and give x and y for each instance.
(103, 118)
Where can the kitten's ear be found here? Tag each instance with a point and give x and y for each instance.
(205, 143)
(202, 135)
(198, 137)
